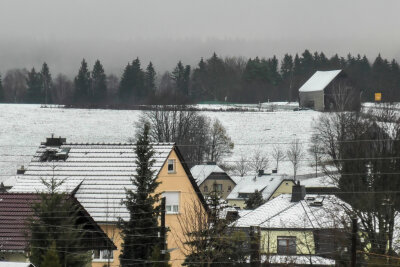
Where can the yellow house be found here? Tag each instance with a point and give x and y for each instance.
(270, 185)
(98, 174)
(297, 228)
(210, 177)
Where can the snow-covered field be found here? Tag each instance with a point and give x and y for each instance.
(23, 127)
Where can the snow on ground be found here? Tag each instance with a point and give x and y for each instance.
(23, 127)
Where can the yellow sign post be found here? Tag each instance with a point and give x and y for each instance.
(378, 96)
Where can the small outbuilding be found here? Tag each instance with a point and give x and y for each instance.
(210, 177)
(329, 91)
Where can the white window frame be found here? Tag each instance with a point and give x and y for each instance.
(172, 208)
(101, 256)
(173, 163)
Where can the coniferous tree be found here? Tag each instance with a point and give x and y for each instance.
(138, 80)
(287, 74)
(254, 201)
(198, 91)
(51, 259)
(99, 83)
(181, 76)
(34, 82)
(46, 83)
(139, 232)
(82, 84)
(55, 220)
(2, 98)
(149, 81)
(125, 89)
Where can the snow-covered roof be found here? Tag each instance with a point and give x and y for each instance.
(297, 259)
(321, 181)
(15, 264)
(97, 173)
(319, 81)
(247, 184)
(315, 211)
(201, 172)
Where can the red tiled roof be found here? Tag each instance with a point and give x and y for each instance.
(15, 210)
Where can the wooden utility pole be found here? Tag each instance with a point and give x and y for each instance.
(163, 240)
(354, 231)
(255, 257)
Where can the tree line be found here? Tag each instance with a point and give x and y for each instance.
(230, 79)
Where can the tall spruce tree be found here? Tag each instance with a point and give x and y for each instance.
(150, 81)
(46, 83)
(125, 89)
(2, 98)
(99, 83)
(55, 222)
(138, 80)
(82, 84)
(50, 259)
(140, 231)
(34, 82)
(181, 76)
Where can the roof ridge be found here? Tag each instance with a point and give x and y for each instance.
(116, 144)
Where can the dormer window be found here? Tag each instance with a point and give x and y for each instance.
(171, 166)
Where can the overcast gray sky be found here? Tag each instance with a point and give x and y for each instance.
(62, 32)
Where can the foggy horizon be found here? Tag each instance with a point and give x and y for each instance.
(164, 32)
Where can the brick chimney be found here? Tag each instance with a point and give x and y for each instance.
(298, 192)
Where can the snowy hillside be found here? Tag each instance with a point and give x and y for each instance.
(23, 127)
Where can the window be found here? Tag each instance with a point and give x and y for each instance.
(171, 166)
(100, 255)
(286, 245)
(218, 187)
(171, 202)
(229, 188)
(205, 188)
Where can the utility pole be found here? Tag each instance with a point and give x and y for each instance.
(163, 233)
(354, 231)
(255, 234)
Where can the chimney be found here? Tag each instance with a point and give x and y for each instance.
(274, 171)
(21, 170)
(298, 192)
(260, 172)
(55, 141)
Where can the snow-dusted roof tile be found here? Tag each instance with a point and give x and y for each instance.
(280, 212)
(266, 184)
(99, 173)
(201, 172)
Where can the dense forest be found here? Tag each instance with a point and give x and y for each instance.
(230, 79)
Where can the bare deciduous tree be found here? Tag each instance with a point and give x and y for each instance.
(220, 143)
(62, 89)
(190, 130)
(15, 86)
(242, 166)
(295, 154)
(277, 155)
(259, 161)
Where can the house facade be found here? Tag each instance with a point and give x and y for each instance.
(329, 91)
(98, 174)
(210, 177)
(299, 227)
(270, 185)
